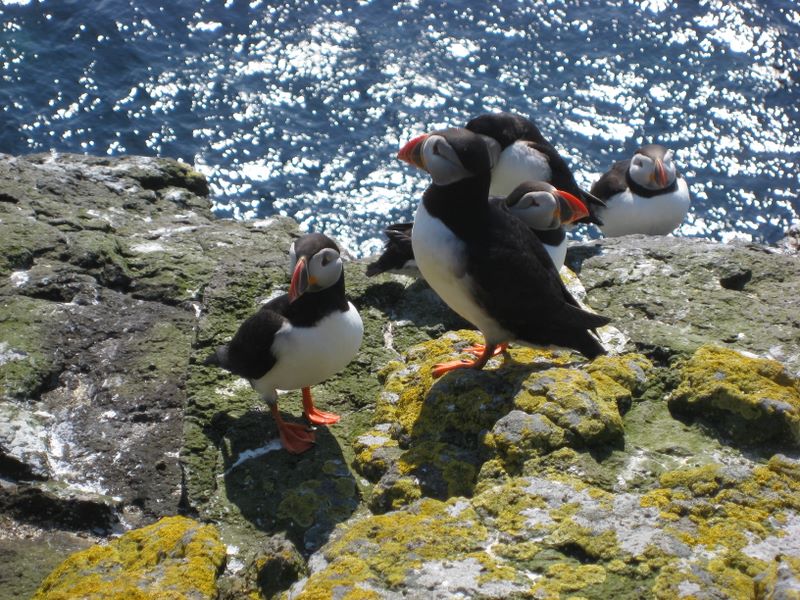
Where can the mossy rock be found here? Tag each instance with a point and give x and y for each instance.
(174, 559)
(431, 436)
(752, 400)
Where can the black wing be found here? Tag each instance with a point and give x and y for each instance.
(397, 251)
(527, 295)
(613, 181)
(249, 353)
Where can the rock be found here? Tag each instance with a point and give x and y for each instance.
(708, 532)
(752, 400)
(110, 301)
(431, 437)
(544, 476)
(672, 295)
(175, 557)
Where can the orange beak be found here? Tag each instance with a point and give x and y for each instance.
(570, 207)
(300, 281)
(412, 152)
(661, 174)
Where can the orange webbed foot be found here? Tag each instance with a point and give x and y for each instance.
(478, 363)
(479, 349)
(295, 438)
(313, 414)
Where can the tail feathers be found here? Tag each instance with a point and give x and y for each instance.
(588, 345)
(374, 268)
(219, 358)
(581, 319)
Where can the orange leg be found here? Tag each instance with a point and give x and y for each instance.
(479, 348)
(295, 438)
(313, 414)
(478, 363)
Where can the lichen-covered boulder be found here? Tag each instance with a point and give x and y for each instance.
(706, 532)
(750, 399)
(431, 437)
(174, 559)
(430, 549)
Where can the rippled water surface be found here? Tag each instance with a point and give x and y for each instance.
(299, 108)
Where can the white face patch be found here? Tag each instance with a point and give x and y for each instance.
(642, 170)
(538, 210)
(517, 163)
(324, 269)
(292, 259)
(442, 162)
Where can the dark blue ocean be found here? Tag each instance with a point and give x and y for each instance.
(299, 108)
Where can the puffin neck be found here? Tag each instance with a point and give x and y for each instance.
(551, 237)
(463, 206)
(640, 190)
(312, 306)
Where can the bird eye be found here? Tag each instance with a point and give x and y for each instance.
(328, 256)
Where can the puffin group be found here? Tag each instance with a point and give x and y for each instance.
(644, 194)
(488, 236)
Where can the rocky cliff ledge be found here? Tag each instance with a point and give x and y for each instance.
(668, 469)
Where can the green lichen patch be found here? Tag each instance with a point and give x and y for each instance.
(28, 355)
(175, 558)
(752, 400)
(631, 371)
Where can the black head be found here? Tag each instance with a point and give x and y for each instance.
(316, 264)
(450, 155)
(506, 128)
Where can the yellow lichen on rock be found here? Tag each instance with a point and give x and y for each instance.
(384, 549)
(752, 399)
(174, 559)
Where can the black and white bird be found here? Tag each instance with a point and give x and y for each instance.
(644, 194)
(486, 264)
(525, 155)
(298, 339)
(542, 207)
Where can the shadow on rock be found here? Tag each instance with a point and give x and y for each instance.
(304, 495)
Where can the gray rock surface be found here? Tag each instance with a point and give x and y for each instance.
(675, 294)
(544, 477)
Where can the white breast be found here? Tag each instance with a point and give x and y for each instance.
(517, 163)
(307, 356)
(558, 254)
(627, 213)
(441, 258)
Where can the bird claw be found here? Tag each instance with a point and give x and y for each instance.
(313, 414)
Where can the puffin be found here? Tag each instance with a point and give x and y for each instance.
(542, 207)
(298, 339)
(484, 262)
(644, 194)
(397, 255)
(525, 155)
